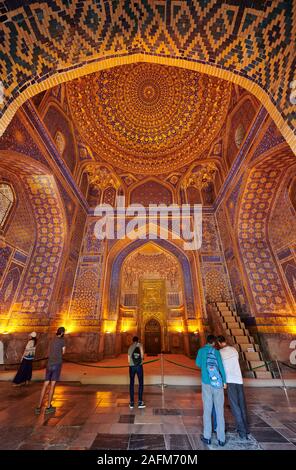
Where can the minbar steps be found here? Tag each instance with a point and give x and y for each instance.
(251, 357)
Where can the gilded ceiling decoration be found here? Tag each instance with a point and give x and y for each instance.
(149, 118)
(201, 177)
(101, 177)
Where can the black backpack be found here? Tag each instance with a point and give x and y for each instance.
(136, 356)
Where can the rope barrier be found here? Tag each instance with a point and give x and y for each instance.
(193, 368)
(80, 363)
(19, 363)
(181, 365)
(107, 367)
(144, 363)
(263, 365)
(288, 365)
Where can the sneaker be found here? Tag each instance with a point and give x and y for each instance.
(131, 405)
(50, 409)
(221, 443)
(204, 440)
(244, 437)
(141, 405)
(37, 410)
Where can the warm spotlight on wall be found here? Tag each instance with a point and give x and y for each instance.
(69, 327)
(126, 325)
(109, 326)
(193, 327)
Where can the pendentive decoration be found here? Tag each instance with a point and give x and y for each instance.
(101, 177)
(201, 178)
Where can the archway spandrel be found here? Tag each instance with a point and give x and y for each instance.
(235, 41)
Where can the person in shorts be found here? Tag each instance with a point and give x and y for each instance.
(53, 369)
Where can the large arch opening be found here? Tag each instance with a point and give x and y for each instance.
(152, 290)
(160, 34)
(163, 290)
(32, 252)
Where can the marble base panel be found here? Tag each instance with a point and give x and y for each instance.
(13, 346)
(277, 346)
(83, 347)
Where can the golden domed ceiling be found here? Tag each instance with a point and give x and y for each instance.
(148, 118)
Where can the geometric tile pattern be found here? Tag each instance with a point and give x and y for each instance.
(289, 269)
(224, 231)
(253, 40)
(216, 284)
(21, 230)
(86, 297)
(271, 139)
(5, 254)
(32, 303)
(255, 205)
(84, 300)
(282, 220)
(282, 234)
(233, 199)
(235, 278)
(210, 241)
(9, 287)
(213, 267)
(40, 280)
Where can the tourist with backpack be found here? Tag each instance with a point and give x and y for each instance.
(213, 382)
(135, 360)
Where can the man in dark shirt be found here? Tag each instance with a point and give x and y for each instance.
(53, 369)
(135, 360)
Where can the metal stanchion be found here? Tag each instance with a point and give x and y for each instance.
(283, 382)
(280, 374)
(162, 372)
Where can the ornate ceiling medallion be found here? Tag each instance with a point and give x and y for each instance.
(149, 118)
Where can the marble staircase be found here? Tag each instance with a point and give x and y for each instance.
(250, 354)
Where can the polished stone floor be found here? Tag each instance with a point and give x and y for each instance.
(98, 417)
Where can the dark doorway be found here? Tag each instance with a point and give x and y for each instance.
(152, 337)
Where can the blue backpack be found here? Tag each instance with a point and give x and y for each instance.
(213, 370)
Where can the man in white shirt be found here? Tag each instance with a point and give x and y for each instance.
(235, 389)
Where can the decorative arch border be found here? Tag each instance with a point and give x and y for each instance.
(35, 296)
(54, 103)
(14, 205)
(106, 63)
(229, 119)
(288, 195)
(283, 187)
(114, 282)
(251, 225)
